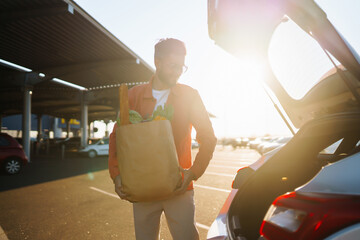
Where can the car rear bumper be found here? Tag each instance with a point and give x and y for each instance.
(218, 229)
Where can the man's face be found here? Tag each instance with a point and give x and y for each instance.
(169, 68)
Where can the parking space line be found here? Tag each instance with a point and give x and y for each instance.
(229, 161)
(2, 234)
(196, 185)
(223, 166)
(109, 194)
(202, 226)
(115, 196)
(220, 158)
(220, 174)
(212, 188)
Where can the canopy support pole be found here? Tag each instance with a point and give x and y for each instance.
(84, 120)
(26, 121)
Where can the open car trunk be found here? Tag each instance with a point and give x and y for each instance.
(313, 72)
(291, 167)
(244, 27)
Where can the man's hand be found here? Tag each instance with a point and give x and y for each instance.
(188, 177)
(118, 188)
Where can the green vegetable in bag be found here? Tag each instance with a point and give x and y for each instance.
(166, 112)
(134, 117)
(161, 113)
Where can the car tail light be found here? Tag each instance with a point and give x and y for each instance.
(310, 216)
(286, 218)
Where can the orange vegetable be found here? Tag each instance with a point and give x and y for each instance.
(157, 118)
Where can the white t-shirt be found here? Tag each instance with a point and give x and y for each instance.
(161, 97)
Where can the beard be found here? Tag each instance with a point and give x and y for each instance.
(167, 79)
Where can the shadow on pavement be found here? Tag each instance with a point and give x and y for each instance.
(48, 168)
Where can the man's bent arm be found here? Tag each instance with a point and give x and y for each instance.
(204, 134)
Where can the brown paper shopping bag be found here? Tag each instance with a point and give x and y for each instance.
(147, 160)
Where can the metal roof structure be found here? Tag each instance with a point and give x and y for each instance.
(60, 40)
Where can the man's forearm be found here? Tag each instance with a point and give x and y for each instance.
(203, 157)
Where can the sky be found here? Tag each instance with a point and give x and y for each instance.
(231, 89)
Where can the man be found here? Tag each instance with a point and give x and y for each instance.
(189, 111)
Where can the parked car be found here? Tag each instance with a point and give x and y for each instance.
(99, 148)
(226, 141)
(301, 190)
(244, 142)
(327, 207)
(194, 143)
(71, 144)
(235, 142)
(265, 142)
(278, 142)
(239, 142)
(20, 140)
(253, 144)
(219, 228)
(12, 155)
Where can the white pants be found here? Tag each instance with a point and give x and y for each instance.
(179, 212)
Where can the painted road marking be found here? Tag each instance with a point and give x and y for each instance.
(220, 174)
(116, 196)
(229, 161)
(223, 166)
(212, 188)
(2, 234)
(202, 226)
(106, 193)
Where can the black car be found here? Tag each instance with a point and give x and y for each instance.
(71, 144)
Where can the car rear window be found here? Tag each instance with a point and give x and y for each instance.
(296, 59)
(332, 148)
(344, 15)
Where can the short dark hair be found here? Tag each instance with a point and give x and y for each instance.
(167, 46)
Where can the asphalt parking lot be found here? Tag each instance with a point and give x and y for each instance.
(74, 198)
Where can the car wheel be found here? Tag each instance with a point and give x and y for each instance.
(12, 166)
(92, 154)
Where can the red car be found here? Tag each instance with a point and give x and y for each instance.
(12, 155)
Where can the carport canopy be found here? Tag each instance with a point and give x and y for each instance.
(57, 40)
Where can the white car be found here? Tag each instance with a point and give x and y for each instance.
(310, 187)
(275, 144)
(194, 143)
(99, 148)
